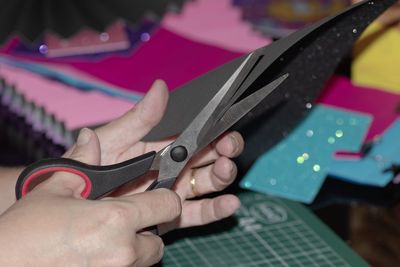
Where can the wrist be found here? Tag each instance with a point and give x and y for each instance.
(21, 245)
(10, 251)
(8, 178)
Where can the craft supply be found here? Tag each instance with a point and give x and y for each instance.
(30, 128)
(134, 35)
(296, 167)
(266, 232)
(383, 106)
(71, 80)
(30, 19)
(376, 57)
(216, 23)
(203, 45)
(373, 168)
(86, 41)
(278, 18)
(70, 105)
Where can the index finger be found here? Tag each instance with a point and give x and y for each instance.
(152, 207)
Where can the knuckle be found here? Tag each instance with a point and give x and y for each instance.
(223, 173)
(134, 109)
(117, 214)
(160, 251)
(174, 202)
(157, 252)
(239, 142)
(126, 256)
(234, 171)
(154, 253)
(78, 154)
(176, 205)
(145, 114)
(218, 186)
(207, 211)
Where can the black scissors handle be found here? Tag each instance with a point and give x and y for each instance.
(99, 180)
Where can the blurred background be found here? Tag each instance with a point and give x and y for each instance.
(70, 64)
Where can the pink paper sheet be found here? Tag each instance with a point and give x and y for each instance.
(217, 23)
(382, 105)
(76, 108)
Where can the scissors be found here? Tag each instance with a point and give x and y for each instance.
(221, 112)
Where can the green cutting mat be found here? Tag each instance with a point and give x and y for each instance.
(266, 231)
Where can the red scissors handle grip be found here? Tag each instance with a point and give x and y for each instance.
(99, 180)
(29, 181)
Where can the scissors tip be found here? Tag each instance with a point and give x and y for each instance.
(283, 77)
(279, 80)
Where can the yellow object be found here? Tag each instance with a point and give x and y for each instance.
(376, 60)
(193, 186)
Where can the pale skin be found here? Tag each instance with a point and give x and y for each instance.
(54, 226)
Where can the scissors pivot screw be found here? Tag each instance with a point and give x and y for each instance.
(179, 153)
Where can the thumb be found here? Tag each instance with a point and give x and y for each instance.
(136, 123)
(86, 150)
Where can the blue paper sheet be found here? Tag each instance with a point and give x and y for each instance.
(296, 167)
(369, 170)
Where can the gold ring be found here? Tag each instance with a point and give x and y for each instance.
(193, 185)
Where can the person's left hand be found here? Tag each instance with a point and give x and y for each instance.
(212, 169)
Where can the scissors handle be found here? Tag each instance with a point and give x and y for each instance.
(99, 180)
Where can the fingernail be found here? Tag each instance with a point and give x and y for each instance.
(84, 137)
(159, 82)
(234, 143)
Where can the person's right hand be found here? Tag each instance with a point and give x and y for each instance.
(53, 226)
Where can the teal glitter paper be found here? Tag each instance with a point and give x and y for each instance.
(296, 167)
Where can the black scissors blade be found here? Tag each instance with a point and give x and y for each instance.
(212, 110)
(238, 110)
(172, 159)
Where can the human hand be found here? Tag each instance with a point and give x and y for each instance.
(212, 169)
(54, 226)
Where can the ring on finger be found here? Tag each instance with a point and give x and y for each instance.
(192, 182)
